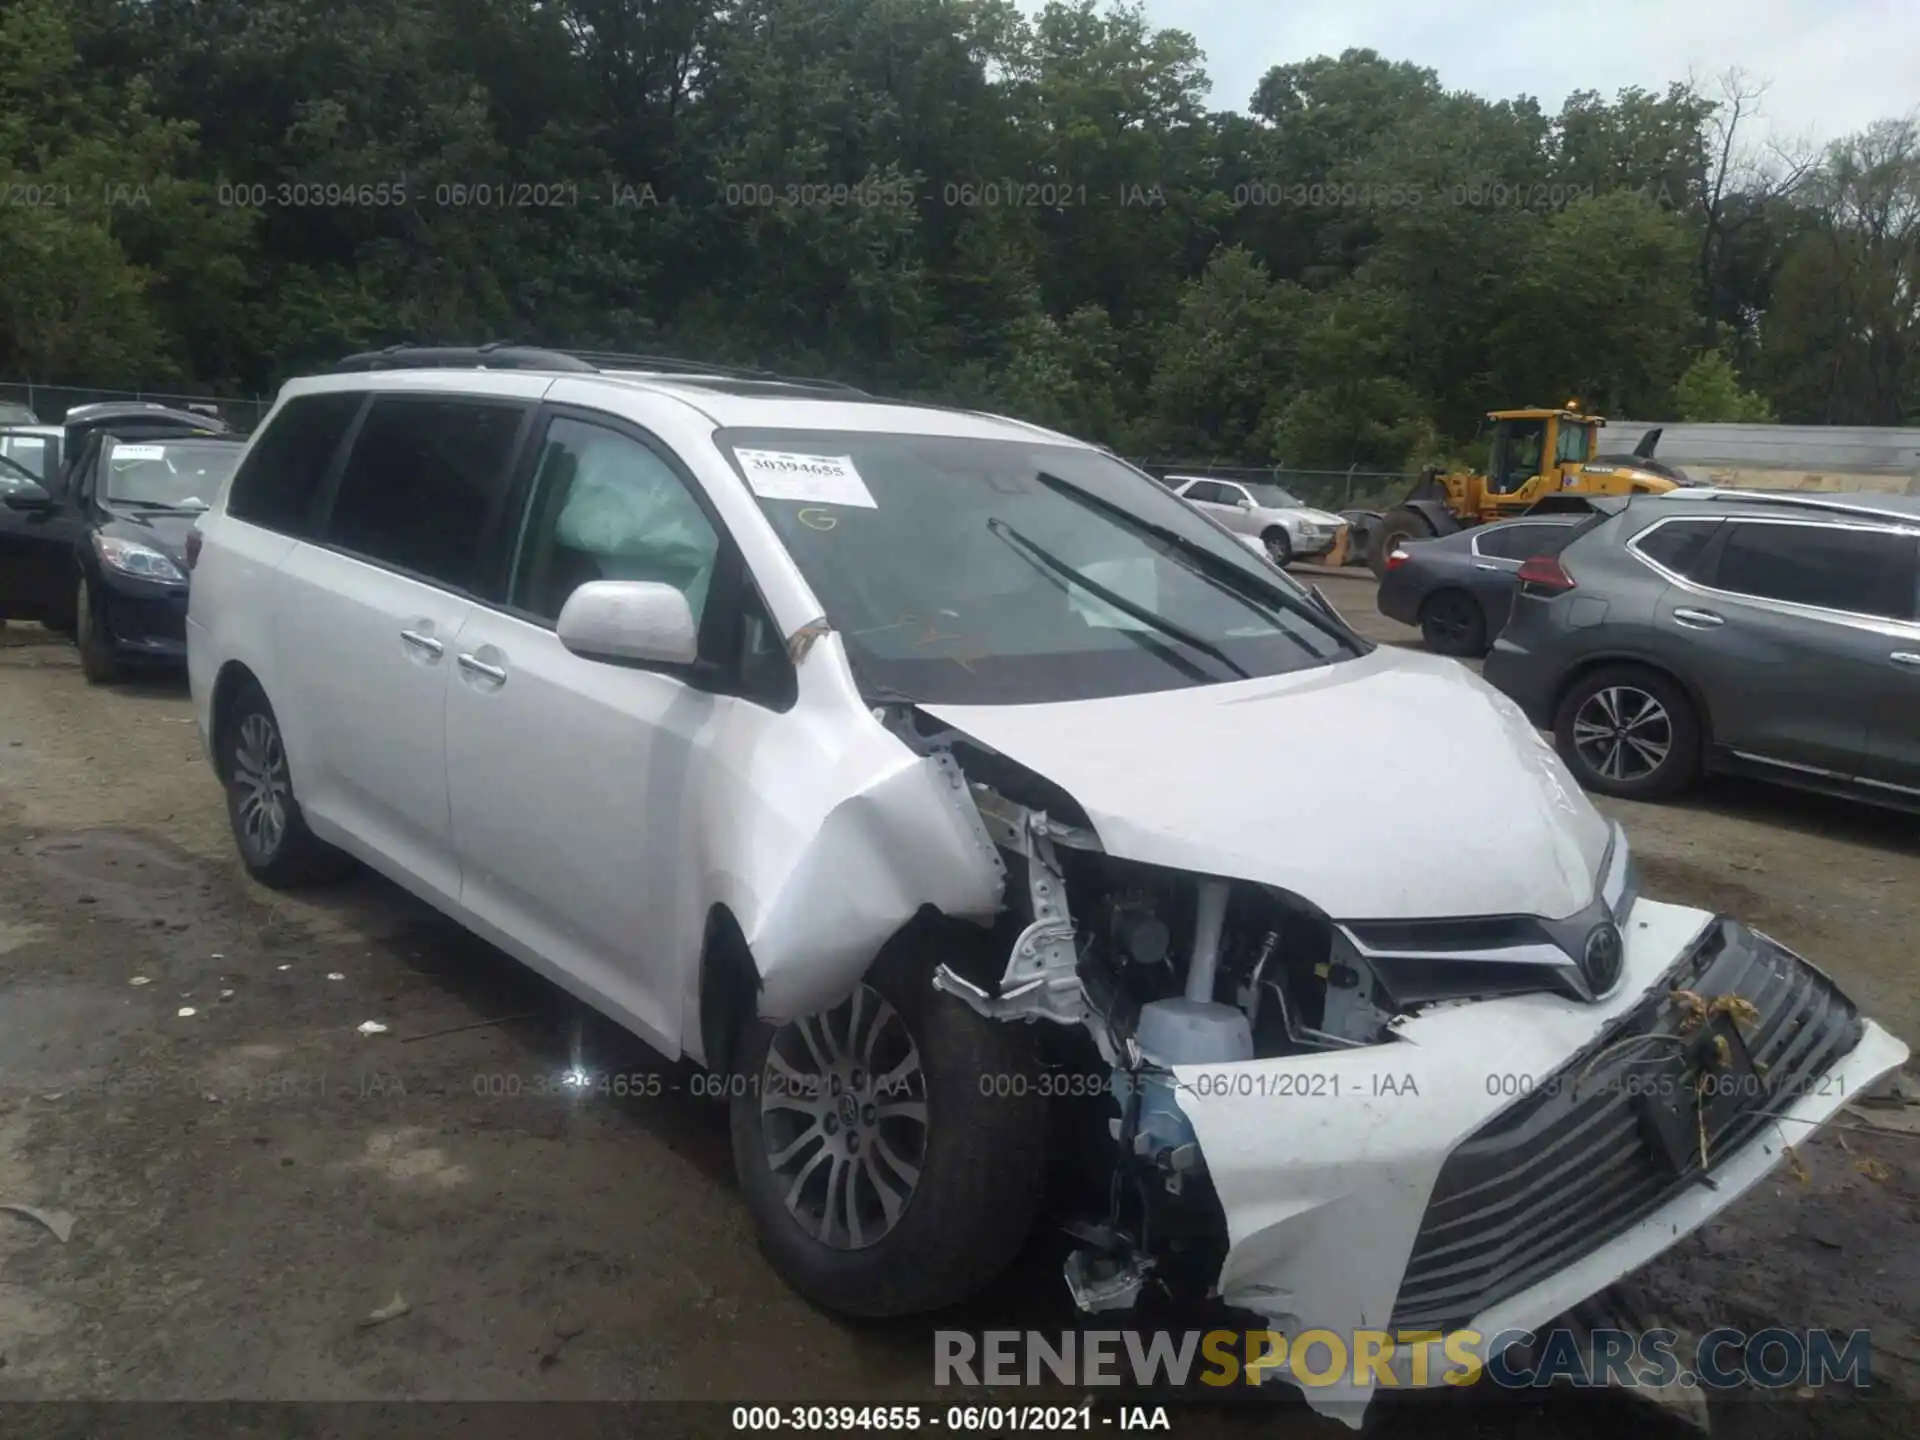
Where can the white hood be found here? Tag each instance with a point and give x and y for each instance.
(1395, 786)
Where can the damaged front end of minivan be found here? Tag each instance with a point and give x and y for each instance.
(1417, 1126)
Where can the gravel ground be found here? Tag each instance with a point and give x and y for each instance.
(252, 1180)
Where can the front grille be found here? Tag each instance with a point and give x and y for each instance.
(1563, 1170)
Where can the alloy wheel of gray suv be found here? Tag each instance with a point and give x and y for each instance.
(1628, 731)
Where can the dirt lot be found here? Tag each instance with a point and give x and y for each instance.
(250, 1177)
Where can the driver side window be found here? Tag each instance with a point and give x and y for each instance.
(606, 507)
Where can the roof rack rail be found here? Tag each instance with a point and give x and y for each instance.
(1840, 502)
(704, 369)
(502, 355)
(496, 356)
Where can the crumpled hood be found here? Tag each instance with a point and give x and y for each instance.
(1394, 786)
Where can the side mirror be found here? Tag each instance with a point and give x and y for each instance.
(1243, 503)
(629, 620)
(31, 498)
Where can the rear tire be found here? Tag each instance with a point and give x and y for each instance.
(924, 1236)
(1395, 526)
(97, 660)
(272, 835)
(1452, 623)
(1279, 546)
(1628, 731)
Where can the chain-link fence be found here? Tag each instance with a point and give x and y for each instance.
(50, 403)
(1350, 489)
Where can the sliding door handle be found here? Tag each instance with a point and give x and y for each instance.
(425, 644)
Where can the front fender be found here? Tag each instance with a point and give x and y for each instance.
(910, 840)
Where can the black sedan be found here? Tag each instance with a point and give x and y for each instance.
(102, 556)
(1459, 589)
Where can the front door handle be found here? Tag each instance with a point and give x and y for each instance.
(1699, 619)
(1905, 657)
(480, 667)
(1485, 565)
(425, 644)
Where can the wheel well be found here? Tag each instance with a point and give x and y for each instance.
(729, 988)
(233, 678)
(730, 979)
(1603, 662)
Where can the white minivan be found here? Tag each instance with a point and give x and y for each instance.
(985, 813)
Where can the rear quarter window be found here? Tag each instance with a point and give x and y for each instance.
(276, 484)
(1678, 546)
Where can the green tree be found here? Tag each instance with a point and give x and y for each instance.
(1709, 390)
(1232, 347)
(112, 262)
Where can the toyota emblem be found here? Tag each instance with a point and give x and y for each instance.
(1601, 960)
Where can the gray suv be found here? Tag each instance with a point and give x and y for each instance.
(1776, 636)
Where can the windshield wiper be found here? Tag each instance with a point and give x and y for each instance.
(1204, 563)
(1119, 602)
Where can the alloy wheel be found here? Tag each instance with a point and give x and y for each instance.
(843, 1117)
(1449, 621)
(262, 783)
(1622, 733)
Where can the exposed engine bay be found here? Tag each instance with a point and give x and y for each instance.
(1149, 968)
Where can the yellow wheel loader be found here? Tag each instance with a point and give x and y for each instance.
(1540, 460)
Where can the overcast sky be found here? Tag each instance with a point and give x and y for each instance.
(1835, 65)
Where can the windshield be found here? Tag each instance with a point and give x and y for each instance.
(14, 476)
(178, 474)
(30, 452)
(1272, 497)
(986, 571)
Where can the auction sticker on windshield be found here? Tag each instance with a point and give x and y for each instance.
(819, 479)
(139, 452)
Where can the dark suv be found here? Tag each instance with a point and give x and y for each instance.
(1775, 635)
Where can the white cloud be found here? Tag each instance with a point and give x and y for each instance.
(1834, 66)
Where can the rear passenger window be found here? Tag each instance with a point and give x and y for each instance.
(422, 482)
(1523, 542)
(1864, 572)
(606, 507)
(1678, 545)
(276, 484)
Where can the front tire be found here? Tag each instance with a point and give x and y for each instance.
(1279, 546)
(1395, 526)
(272, 835)
(905, 1185)
(1628, 731)
(97, 659)
(1452, 623)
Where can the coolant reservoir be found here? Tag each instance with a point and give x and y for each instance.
(1193, 1032)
